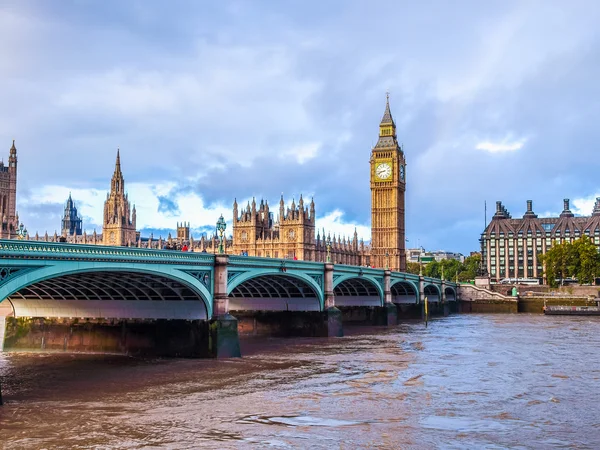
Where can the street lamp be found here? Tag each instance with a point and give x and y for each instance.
(21, 232)
(387, 260)
(329, 249)
(221, 225)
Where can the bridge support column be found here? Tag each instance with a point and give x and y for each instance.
(224, 341)
(390, 310)
(332, 315)
(422, 295)
(445, 306)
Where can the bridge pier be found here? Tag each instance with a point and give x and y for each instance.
(422, 295)
(332, 316)
(224, 341)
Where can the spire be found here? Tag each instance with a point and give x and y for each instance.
(387, 115)
(387, 127)
(13, 149)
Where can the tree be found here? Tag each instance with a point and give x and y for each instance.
(432, 269)
(585, 260)
(413, 268)
(561, 261)
(470, 267)
(579, 259)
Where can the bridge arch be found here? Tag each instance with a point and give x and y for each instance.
(269, 290)
(404, 291)
(108, 291)
(352, 290)
(432, 292)
(450, 293)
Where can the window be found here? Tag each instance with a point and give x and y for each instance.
(548, 226)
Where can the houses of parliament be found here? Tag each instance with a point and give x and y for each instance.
(255, 231)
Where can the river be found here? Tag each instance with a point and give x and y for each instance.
(466, 381)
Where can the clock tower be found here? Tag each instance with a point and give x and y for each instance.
(388, 184)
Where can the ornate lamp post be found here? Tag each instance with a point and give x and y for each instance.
(329, 249)
(221, 225)
(21, 232)
(387, 261)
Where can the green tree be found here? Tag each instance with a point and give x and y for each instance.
(451, 268)
(469, 268)
(585, 260)
(558, 259)
(413, 268)
(432, 269)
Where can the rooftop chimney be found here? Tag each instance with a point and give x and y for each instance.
(566, 211)
(529, 212)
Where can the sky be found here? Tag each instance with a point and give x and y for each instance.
(215, 101)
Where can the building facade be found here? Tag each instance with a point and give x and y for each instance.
(8, 196)
(511, 248)
(71, 223)
(118, 227)
(388, 186)
(291, 236)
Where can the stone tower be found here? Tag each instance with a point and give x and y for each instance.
(8, 196)
(119, 220)
(388, 185)
(71, 223)
(183, 232)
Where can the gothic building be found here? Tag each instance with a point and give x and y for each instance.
(511, 248)
(71, 223)
(8, 196)
(292, 236)
(118, 227)
(388, 184)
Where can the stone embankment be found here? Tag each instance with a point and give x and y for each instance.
(475, 299)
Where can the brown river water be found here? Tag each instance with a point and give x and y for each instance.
(465, 382)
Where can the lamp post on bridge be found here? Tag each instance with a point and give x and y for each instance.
(21, 232)
(221, 225)
(387, 261)
(328, 249)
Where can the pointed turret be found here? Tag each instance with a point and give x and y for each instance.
(12, 158)
(118, 183)
(387, 118)
(387, 128)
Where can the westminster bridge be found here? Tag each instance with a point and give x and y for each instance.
(87, 297)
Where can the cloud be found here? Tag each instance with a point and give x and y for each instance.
(335, 224)
(500, 147)
(210, 103)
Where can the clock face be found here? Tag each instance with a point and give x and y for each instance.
(383, 171)
(402, 173)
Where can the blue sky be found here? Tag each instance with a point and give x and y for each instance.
(211, 101)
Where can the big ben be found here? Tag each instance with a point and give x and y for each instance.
(388, 185)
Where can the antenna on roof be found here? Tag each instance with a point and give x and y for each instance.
(484, 214)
